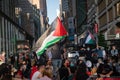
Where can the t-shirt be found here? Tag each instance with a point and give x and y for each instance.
(56, 54)
(35, 75)
(33, 70)
(45, 78)
(49, 55)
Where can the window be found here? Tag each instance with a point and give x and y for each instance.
(0, 26)
(0, 32)
(102, 5)
(103, 20)
(109, 1)
(110, 13)
(118, 9)
(0, 4)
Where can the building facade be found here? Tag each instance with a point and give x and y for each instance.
(10, 31)
(19, 21)
(81, 15)
(42, 7)
(108, 16)
(92, 13)
(68, 13)
(44, 18)
(30, 19)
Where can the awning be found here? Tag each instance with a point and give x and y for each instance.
(112, 34)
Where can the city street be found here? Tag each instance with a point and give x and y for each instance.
(59, 39)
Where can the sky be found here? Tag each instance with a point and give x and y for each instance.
(52, 8)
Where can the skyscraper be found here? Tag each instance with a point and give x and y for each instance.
(43, 10)
(42, 6)
(10, 30)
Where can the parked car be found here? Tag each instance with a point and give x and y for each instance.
(73, 54)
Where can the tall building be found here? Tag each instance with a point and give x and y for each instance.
(19, 21)
(108, 16)
(41, 5)
(44, 18)
(81, 15)
(64, 5)
(10, 30)
(30, 19)
(68, 13)
(92, 13)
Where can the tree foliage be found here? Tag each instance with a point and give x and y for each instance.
(101, 40)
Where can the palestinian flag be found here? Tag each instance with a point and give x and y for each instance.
(90, 39)
(57, 33)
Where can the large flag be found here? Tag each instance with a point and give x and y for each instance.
(57, 33)
(41, 39)
(90, 39)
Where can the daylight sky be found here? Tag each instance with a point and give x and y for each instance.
(52, 8)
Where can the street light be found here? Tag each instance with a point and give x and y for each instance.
(75, 41)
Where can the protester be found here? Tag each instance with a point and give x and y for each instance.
(19, 74)
(49, 55)
(47, 74)
(88, 53)
(34, 68)
(81, 71)
(38, 74)
(49, 65)
(64, 71)
(72, 73)
(56, 58)
(104, 70)
(114, 51)
(5, 72)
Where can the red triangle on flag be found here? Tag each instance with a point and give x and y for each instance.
(60, 30)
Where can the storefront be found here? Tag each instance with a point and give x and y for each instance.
(112, 36)
(9, 34)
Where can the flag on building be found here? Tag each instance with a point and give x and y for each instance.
(90, 39)
(96, 27)
(57, 32)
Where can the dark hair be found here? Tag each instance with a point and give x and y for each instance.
(81, 72)
(118, 24)
(39, 65)
(72, 69)
(5, 70)
(103, 69)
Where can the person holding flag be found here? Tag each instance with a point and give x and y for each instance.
(55, 33)
(50, 39)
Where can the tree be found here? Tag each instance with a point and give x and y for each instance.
(101, 40)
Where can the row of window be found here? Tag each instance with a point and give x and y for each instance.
(7, 6)
(9, 34)
(112, 13)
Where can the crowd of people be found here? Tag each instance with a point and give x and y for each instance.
(92, 64)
